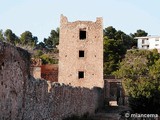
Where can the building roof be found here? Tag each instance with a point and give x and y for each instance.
(147, 37)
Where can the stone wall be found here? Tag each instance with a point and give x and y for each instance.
(14, 72)
(23, 97)
(55, 101)
(70, 43)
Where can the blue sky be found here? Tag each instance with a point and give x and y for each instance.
(40, 16)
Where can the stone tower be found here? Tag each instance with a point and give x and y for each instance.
(81, 53)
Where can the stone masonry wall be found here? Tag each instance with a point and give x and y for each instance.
(54, 101)
(23, 97)
(14, 72)
(70, 63)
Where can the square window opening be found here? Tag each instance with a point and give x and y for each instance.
(156, 44)
(80, 74)
(81, 53)
(143, 41)
(82, 34)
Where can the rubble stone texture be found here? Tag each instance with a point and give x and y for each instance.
(69, 46)
(23, 97)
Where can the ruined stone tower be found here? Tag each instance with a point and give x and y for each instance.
(81, 53)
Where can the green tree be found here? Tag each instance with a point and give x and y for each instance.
(1, 35)
(37, 54)
(115, 45)
(41, 46)
(110, 32)
(139, 33)
(127, 40)
(28, 39)
(140, 73)
(47, 59)
(113, 53)
(53, 39)
(10, 37)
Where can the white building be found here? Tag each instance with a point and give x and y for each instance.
(148, 42)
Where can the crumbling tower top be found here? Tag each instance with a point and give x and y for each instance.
(81, 53)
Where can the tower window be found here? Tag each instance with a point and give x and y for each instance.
(80, 74)
(81, 53)
(82, 34)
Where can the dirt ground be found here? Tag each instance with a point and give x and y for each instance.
(111, 113)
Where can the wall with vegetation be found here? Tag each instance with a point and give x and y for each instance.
(24, 98)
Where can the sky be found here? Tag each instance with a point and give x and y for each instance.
(41, 16)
